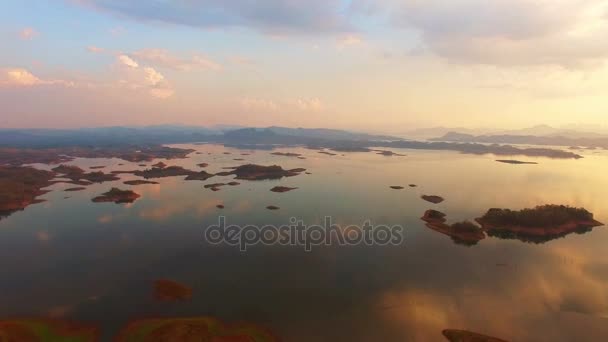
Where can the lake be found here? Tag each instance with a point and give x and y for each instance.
(70, 258)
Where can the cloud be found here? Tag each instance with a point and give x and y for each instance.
(95, 49)
(270, 16)
(508, 32)
(28, 33)
(163, 58)
(288, 105)
(147, 78)
(127, 61)
(349, 40)
(18, 77)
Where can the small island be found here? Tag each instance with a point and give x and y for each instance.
(286, 154)
(539, 224)
(454, 335)
(397, 187)
(515, 162)
(272, 207)
(168, 171)
(387, 153)
(432, 198)
(282, 189)
(117, 196)
(74, 189)
(77, 175)
(258, 172)
(139, 182)
(463, 233)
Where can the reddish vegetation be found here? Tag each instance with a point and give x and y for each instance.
(160, 165)
(465, 233)
(203, 165)
(328, 153)
(97, 167)
(467, 336)
(234, 183)
(433, 199)
(20, 187)
(540, 224)
(220, 206)
(193, 329)
(169, 290)
(35, 330)
(117, 196)
(413, 185)
(282, 189)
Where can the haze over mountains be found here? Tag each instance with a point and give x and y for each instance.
(538, 135)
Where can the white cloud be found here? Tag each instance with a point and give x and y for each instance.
(18, 77)
(146, 78)
(163, 58)
(28, 33)
(127, 61)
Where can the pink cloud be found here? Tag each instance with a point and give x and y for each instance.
(28, 33)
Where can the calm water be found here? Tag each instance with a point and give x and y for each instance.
(74, 259)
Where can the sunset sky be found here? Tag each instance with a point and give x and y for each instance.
(384, 65)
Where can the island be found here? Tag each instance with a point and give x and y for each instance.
(397, 187)
(454, 335)
(282, 189)
(203, 165)
(272, 207)
(462, 233)
(537, 225)
(387, 153)
(432, 198)
(214, 186)
(168, 171)
(169, 290)
(21, 187)
(77, 175)
(74, 189)
(286, 154)
(515, 162)
(139, 182)
(257, 172)
(17, 156)
(117, 196)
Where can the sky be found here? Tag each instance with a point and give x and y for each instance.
(382, 66)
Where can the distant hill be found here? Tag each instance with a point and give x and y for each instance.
(594, 141)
